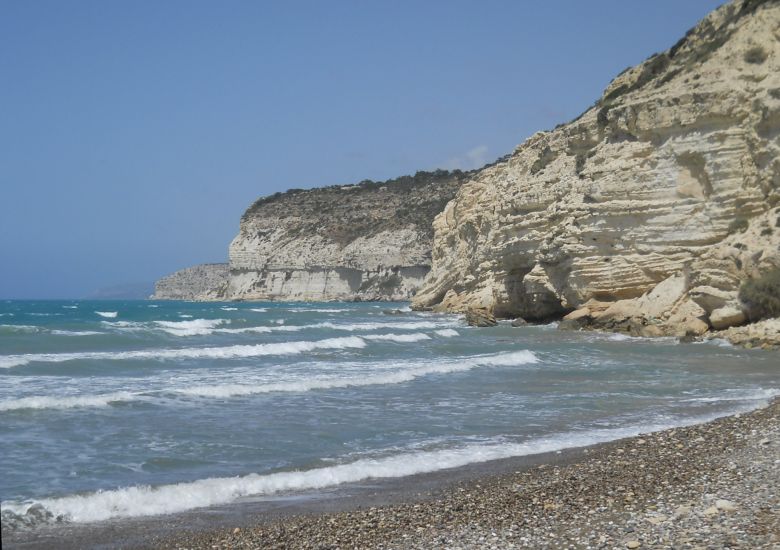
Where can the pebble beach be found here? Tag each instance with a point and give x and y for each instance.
(713, 485)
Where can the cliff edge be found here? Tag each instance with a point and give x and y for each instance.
(370, 241)
(649, 211)
(204, 282)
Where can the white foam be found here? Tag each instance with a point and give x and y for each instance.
(720, 342)
(318, 310)
(394, 377)
(31, 328)
(447, 332)
(8, 361)
(618, 337)
(185, 316)
(297, 385)
(259, 330)
(259, 309)
(196, 327)
(621, 337)
(125, 326)
(229, 308)
(108, 314)
(227, 352)
(739, 394)
(166, 499)
(152, 305)
(65, 402)
(204, 327)
(352, 327)
(402, 338)
(19, 328)
(70, 307)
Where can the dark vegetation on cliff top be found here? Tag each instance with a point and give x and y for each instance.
(343, 213)
(762, 295)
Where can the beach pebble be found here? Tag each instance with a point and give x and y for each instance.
(725, 505)
(660, 498)
(655, 520)
(682, 511)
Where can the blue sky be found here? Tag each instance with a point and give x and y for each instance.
(134, 134)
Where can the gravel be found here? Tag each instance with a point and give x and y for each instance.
(714, 485)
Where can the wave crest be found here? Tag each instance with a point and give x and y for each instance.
(516, 358)
(167, 499)
(65, 402)
(194, 327)
(227, 352)
(108, 314)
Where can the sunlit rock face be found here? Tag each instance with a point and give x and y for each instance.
(671, 178)
(203, 282)
(370, 241)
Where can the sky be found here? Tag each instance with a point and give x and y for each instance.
(133, 134)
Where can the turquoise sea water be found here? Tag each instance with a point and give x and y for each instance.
(120, 409)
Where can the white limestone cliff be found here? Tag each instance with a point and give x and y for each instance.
(204, 282)
(370, 241)
(644, 214)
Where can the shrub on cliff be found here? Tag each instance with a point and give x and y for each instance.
(762, 295)
(738, 225)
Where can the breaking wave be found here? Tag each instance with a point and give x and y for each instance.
(394, 377)
(18, 328)
(108, 314)
(401, 338)
(196, 327)
(145, 500)
(227, 352)
(65, 402)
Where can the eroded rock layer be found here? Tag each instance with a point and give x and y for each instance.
(204, 282)
(649, 210)
(370, 241)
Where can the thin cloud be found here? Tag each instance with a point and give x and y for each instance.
(473, 158)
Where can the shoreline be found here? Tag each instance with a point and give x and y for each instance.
(668, 485)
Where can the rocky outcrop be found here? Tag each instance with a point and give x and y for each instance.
(762, 334)
(647, 212)
(480, 318)
(370, 241)
(202, 282)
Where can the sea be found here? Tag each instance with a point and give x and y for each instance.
(119, 409)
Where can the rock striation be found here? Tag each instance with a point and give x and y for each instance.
(204, 282)
(370, 241)
(644, 214)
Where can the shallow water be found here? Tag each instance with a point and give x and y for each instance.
(120, 409)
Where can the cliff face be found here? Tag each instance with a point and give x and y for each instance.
(198, 283)
(370, 241)
(649, 210)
